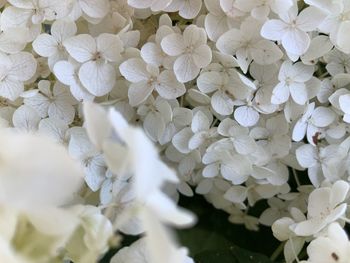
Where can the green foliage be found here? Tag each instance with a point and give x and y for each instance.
(215, 239)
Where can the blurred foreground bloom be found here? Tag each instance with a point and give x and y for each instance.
(38, 177)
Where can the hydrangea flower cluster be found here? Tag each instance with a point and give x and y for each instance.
(241, 101)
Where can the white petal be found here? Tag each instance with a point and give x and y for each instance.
(45, 45)
(53, 128)
(11, 89)
(169, 88)
(265, 52)
(202, 56)
(185, 68)
(209, 81)
(322, 116)
(246, 116)
(95, 8)
(62, 111)
(338, 193)
(181, 139)
(26, 118)
(236, 194)
(190, 9)
(299, 130)
(215, 26)
(97, 78)
(65, 72)
(110, 46)
(309, 227)
(280, 94)
(152, 54)
(81, 47)
(298, 92)
(23, 66)
(154, 125)
(141, 4)
(200, 122)
(343, 38)
(139, 92)
(344, 103)
(62, 29)
(296, 41)
(95, 173)
(38, 102)
(197, 140)
(229, 42)
(211, 170)
(221, 103)
(134, 70)
(273, 29)
(307, 155)
(244, 144)
(173, 44)
(310, 18)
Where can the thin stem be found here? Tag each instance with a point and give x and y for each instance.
(296, 177)
(323, 75)
(277, 252)
(214, 122)
(347, 220)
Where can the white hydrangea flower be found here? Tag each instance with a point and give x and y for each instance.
(281, 229)
(260, 9)
(319, 46)
(51, 46)
(55, 102)
(325, 205)
(26, 118)
(311, 123)
(292, 79)
(274, 137)
(277, 209)
(188, 9)
(203, 133)
(68, 73)
(337, 62)
(15, 69)
(247, 44)
(332, 247)
(41, 10)
(157, 115)
(146, 77)
(57, 129)
(97, 55)
(152, 53)
(324, 162)
(291, 29)
(80, 148)
(191, 50)
(217, 22)
(92, 10)
(222, 100)
(232, 166)
(239, 136)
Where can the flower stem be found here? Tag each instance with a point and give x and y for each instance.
(296, 177)
(277, 252)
